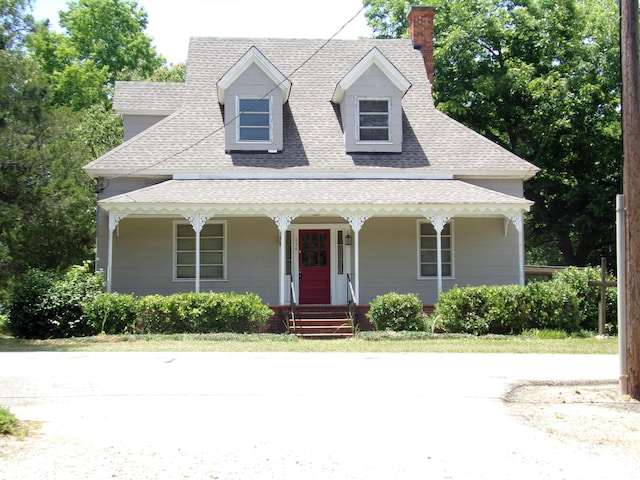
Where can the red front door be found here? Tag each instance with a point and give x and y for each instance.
(315, 274)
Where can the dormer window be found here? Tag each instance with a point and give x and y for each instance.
(373, 120)
(253, 93)
(254, 121)
(370, 100)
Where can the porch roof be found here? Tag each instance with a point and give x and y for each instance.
(298, 197)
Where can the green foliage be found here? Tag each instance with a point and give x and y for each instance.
(112, 313)
(542, 79)
(8, 422)
(589, 297)
(398, 312)
(178, 313)
(46, 305)
(507, 309)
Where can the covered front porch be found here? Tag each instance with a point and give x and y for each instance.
(331, 242)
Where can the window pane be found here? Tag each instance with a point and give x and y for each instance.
(185, 231)
(211, 243)
(254, 105)
(186, 244)
(254, 134)
(374, 106)
(428, 270)
(429, 256)
(427, 229)
(211, 258)
(186, 258)
(428, 243)
(212, 230)
(254, 120)
(374, 120)
(446, 242)
(446, 270)
(186, 271)
(211, 272)
(374, 134)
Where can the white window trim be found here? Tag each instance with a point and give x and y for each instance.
(418, 257)
(175, 253)
(357, 122)
(254, 142)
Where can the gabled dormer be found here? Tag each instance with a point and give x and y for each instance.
(253, 93)
(370, 99)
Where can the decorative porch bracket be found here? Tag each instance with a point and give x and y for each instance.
(197, 221)
(438, 222)
(114, 220)
(282, 222)
(356, 222)
(518, 221)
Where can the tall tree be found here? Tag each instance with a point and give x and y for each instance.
(541, 78)
(104, 41)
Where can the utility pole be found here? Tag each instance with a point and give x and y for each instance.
(631, 184)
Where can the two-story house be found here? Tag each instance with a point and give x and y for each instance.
(291, 168)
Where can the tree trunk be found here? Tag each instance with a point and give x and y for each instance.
(631, 175)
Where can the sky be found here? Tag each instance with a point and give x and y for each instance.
(172, 22)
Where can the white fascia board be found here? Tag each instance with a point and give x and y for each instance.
(146, 112)
(322, 175)
(253, 56)
(374, 57)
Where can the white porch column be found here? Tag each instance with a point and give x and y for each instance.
(114, 219)
(518, 222)
(438, 222)
(197, 221)
(356, 222)
(282, 222)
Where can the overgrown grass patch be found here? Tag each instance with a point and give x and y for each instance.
(10, 425)
(362, 342)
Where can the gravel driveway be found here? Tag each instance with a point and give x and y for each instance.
(289, 416)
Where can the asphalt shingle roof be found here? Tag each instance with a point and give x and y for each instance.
(148, 96)
(192, 139)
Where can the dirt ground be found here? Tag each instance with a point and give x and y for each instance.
(593, 415)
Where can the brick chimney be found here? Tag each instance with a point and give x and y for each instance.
(421, 32)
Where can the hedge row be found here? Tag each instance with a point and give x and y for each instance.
(47, 305)
(178, 313)
(565, 303)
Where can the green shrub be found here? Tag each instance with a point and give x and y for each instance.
(553, 306)
(508, 309)
(46, 305)
(112, 313)
(397, 312)
(201, 313)
(8, 422)
(589, 297)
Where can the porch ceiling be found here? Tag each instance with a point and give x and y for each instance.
(311, 196)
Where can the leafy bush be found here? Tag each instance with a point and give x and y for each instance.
(8, 422)
(553, 306)
(112, 313)
(397, 312)
(508, 309)
(46, 305)
(201, 313)
(589, 297)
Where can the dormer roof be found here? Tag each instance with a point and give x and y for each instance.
(254, 57)
(374, 57)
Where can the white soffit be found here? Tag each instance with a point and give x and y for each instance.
(254, 56)
(374, 57)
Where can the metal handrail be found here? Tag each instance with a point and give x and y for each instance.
(293, 302)
(351, 298)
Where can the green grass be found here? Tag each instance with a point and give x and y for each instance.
(531, 342)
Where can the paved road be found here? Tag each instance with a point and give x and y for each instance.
(287, 416)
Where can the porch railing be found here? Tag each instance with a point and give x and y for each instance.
(292, 289)
(351, 299)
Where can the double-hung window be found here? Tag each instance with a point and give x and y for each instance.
(428, 250)
(212, 251)
(254, 120)
(373, 120)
